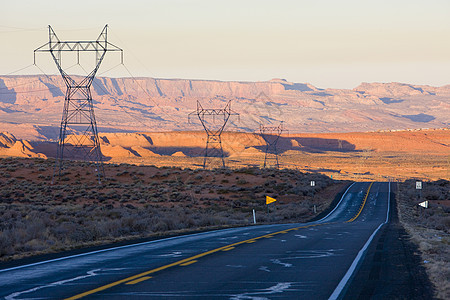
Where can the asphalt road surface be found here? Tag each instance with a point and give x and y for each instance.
(314, 260)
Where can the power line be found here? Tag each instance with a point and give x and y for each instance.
(271, 135)
(17, 85)
(78, 104)
(132, 53)
(9, 89)
(115, 100)
(134, 78)
(56, 87)
(21, 69)
(18, 29)
(149, 96)
(214, 133)
(26, 83)
(120, 106)
(26, 92)
(110, 69)
(37, 80)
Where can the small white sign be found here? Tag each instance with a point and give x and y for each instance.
(418, 185)
(424, 204)
(313, 183)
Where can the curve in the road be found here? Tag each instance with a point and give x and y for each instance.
(355, 206)
(337, 293)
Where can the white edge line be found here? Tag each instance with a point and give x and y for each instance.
(340, 287)
(108, 249)
(140, 244)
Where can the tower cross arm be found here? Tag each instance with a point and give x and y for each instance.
(77, 46)
(99, 45)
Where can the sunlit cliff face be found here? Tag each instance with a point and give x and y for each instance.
(31, 106)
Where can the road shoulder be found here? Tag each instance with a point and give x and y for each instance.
(392, 267)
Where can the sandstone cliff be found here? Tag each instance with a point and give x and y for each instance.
(31, 106)
(10, 146)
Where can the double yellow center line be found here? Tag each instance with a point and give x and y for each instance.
(193, 259)
(184, 262)
(362, 205)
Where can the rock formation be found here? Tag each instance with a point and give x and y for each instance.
(31, 106)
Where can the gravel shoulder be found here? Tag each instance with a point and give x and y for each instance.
(392, 267)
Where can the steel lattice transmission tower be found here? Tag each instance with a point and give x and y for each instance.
(213, 130)
(271, 135)
(78, 135)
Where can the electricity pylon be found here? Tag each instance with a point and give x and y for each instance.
(213, 130)
(78, 135)
(271, 135)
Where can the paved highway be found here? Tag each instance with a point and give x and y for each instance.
(295, 261)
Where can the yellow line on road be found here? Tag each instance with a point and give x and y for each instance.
(228, 249)
(362, 205)
(190, 260)
(138, 280)
(189, 263)
(186, 261)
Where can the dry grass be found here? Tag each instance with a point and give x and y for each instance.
(429, 228)
(141, 201)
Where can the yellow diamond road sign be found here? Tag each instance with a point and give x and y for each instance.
(270, 200)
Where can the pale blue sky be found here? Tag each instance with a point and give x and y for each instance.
(327, 43)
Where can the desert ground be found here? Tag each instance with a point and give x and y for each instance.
(143, 201)
(429, 228)
(155, 186)
(420, 154)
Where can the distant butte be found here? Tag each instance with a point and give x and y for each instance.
(31, 106)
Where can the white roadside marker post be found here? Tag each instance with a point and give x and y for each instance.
(254, 217)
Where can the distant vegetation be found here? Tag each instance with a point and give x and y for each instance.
(148, 202)
(37, 217)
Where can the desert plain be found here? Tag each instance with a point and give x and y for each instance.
(155, 184)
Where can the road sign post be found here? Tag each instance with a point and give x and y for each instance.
(419, 188)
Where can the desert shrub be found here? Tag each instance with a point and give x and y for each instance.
(251, 171)
(223, 191)
(445, 223)
(43, 217)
